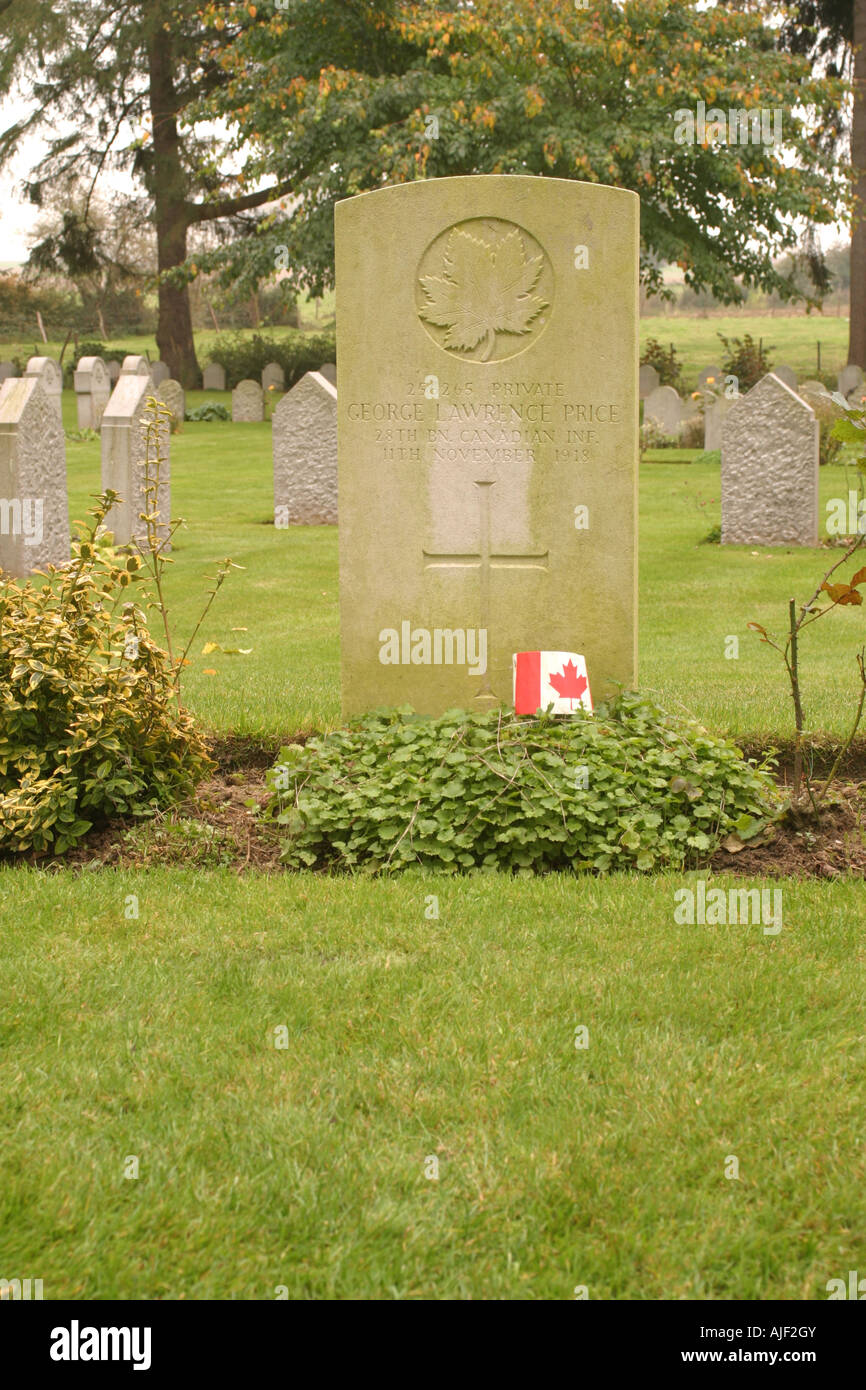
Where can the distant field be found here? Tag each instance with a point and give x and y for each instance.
(793, 340)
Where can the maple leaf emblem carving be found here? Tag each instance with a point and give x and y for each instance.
(568, 684)
(484, 290)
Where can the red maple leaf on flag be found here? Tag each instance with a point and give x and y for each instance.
(568, 683)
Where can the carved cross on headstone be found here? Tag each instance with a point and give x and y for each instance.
(485, 561)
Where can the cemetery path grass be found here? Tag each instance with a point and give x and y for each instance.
(409, 1039)
(284, 604)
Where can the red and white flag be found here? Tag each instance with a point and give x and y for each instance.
(550, 678)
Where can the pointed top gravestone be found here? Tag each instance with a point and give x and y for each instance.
(305, 454)
(134, 365)
(273, 377)
(711, 376)
(159, 372)
(487, 415)
(665, 407)
(214, 377)
(125, 466)
(92, 390)
(849, 379)
(770, 468)
(34, 515)
(49, 373)
(647, 379)
(247, 403)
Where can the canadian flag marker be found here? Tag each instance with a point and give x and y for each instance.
(550, 678)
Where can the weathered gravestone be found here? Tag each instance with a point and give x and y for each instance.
(34, 516)
(46, 370)
(770, 468)
(664, 406)
(92, 390)
(273, 377)
(125, 464)
(849, 379)
(647, 380)
(113, 369)
(715, 411)
(786, 374)
(487, 436)
(159, 372)
(133, 365)
(214, 378)
(7, 369)
(329, 371)
(171, 393)
(247, 403)
(711, 376)
(305, 454)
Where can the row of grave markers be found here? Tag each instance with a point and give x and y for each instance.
(213, 377)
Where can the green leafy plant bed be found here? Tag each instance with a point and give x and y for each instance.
(629, 787)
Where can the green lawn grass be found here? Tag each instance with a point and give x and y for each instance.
(411, 1037)
(792, 340)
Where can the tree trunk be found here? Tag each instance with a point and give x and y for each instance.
(174, 336)
(857, 323)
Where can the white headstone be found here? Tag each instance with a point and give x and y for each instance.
(49, 373)
(34, 515)
(711, 376)
(305, 454)
(770, 468)
(247, 403)
(159, 372)
(92, 390)
(135, 366)
(171, 393)
(113, 371)
(7, 369)
(329, 371)
(125, 466)
(648, 380)
(214, 377)
(274, 377)
(786, 374)
(664, 406)
(849, 379)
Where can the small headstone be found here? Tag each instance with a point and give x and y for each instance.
(273, 377)
(714, 414)
(214, 378)
(815, 394)
(125, 460)
(34, 515)
(171, 393)
(92, 390)
(49, 373)
(305, 454)
(329, 371)
(849, 379)
(770, 468)
(247, 403)
(159, 372)
(713, 377)
(113, 369)
(664, 406)
(648, 380)
(135, 366)
(786, 374)
(7, 369)
(487, 436)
